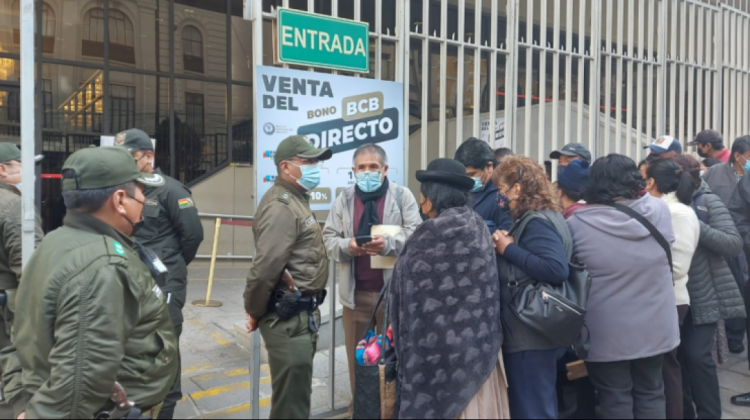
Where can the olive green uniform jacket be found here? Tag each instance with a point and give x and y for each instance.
(11, 222)
(287, 236)
(88, 314)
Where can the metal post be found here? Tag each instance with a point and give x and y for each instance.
(28, 132)
(332, 344)
(255, 372)
(257, 61)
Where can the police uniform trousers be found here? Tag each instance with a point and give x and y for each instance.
(175, 395)
(291, 348)
(6, 322)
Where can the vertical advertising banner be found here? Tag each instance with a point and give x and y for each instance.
(336, 112)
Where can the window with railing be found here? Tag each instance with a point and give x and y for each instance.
(121, 36)
(192, 49)
(122, 109)
(195, 112)
(48, 27)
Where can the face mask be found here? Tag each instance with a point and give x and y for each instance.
(746, 166)
(503, 201)
(703, 173)
(139, 224)
(701, 153)
(478, 186)
(369, 181)
(310, 176)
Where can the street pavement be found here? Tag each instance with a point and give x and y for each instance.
(216, 372)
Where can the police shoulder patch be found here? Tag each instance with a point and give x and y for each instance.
(284, 197)
(119, 249)
(186, 203)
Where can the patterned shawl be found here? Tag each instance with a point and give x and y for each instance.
(445, 306)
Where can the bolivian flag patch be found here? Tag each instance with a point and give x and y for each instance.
(186, 203)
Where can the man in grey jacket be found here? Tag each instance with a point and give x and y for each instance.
(374, 200)
(723, 181)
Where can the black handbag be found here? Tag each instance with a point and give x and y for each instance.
(557, 313)
(369, 401)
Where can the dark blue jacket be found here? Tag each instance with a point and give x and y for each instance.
(546, 261)
(487, 204)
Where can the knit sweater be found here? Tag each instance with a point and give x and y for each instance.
(687, 231)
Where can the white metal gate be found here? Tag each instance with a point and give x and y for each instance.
(611, 74)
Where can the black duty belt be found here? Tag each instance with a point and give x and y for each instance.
(286, 306)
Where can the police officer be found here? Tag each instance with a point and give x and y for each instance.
(172, 229)
(10, 233)
(287, 237)
(88, 310)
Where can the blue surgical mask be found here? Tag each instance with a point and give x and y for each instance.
(369, 181)
(746, 166)
(478, 186)
(310, 176)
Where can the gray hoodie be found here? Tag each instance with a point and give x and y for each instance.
(631, 308)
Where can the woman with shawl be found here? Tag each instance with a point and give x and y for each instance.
(445, 306)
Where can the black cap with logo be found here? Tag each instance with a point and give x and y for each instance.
(104, 167)
(572, 150)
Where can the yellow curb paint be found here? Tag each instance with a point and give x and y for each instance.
(218, 338)
(194, 369)
(213, 392)
(265, 402)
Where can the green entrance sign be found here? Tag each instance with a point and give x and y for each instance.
(308, 39)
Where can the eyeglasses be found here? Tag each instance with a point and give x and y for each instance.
(135, 199)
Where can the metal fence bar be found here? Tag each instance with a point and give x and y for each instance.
(493, 70)
(460, 76)
(639, 85)
(596, 71)
(443, 82)
(555, 84)
(569, 71)
(477, 67)
(425, 80)
(701, 73)
(542, 138)
(630, 76)
(529, 103)
(582, 62)
(618, 80)
(683, 74)
(690, 59)
(608, 52)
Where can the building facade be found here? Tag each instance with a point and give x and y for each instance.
(611, 74)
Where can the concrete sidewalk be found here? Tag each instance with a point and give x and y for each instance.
(216, 372)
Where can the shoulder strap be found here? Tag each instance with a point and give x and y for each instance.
(651, 228)
(398, 201)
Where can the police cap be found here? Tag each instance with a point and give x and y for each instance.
(104, 167)
(301, 147)
(134, 140)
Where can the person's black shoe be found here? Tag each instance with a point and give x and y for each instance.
(736, 347)
(742, 400)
